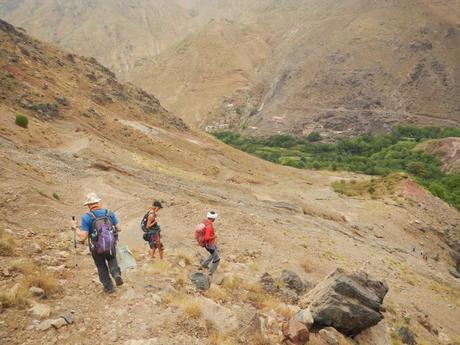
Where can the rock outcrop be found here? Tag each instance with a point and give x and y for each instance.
(350, 303)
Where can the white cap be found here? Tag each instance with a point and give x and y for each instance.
(212, 215)
(92, 198)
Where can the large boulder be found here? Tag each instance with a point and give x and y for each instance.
(350, 303)
(200, 280)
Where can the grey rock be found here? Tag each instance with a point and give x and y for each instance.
(304, 316)
(37, 292)
(293, 281)
(62, 101)
(288, 295)
(407, 336)
(58, 323)
(69, 317)
(268, 283)
(200, 280)
(350, 303)
(45, 325)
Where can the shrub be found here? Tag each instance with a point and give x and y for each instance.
(313, 136)
(22, 120)
(42, 279)
(7, 244)
(16, 297)
(56, 196)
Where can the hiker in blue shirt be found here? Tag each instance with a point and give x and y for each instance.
(100, 226)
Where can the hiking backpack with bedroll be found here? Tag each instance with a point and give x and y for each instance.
(102, 238)
(200, 230)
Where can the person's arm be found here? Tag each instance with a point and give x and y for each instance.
(83, 230)
(114, 220)
(82, 234)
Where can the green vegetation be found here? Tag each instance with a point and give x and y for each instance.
(56, 196)
(22, 120)
(313, 136)
(374, 155)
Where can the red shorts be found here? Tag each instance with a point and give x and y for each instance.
(155, 241)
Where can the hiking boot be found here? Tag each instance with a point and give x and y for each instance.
(118, 280)
(109, 290)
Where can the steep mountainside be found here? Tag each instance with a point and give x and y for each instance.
(358, 66)
(89, 132)
(269, 66)
(118, 33)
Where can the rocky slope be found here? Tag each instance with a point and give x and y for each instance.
(88, 132)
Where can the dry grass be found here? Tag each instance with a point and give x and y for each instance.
(22, 266)
(258, 339)
(190, 305)
(217, 294)
(217, 338)
(16, 297)
(307, 265)
(7, 244)
(42, 279)
(160, 267)
(232, 283)
(184, 256)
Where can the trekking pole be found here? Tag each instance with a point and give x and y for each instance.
(74, 242)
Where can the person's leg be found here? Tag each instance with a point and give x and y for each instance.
(159, 245)
(215, 261)
(114, 268)
(152, 247)
(103, 272)
(205, 263)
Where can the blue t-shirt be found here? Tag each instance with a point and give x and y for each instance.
(87, 219)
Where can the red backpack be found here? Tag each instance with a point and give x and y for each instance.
(200, 230)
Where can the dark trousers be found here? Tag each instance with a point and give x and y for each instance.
(104, 264)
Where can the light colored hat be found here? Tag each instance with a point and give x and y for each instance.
(92, 198)
(212, 215)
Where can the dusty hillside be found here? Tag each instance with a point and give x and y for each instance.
(87, 132)
(269, 66)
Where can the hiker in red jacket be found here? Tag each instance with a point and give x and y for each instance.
(210, 245)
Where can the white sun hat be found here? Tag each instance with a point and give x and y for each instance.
(212, 215)
(91, 198)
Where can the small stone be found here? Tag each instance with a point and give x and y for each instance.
(58, 323)
(37, 292)
(45, 325)
(41, 311)
(182, 263)
(36, 247)
(69, 317)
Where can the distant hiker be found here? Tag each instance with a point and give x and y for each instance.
(152, 230)
(208, 241)
(100, 226)
(413, 249)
